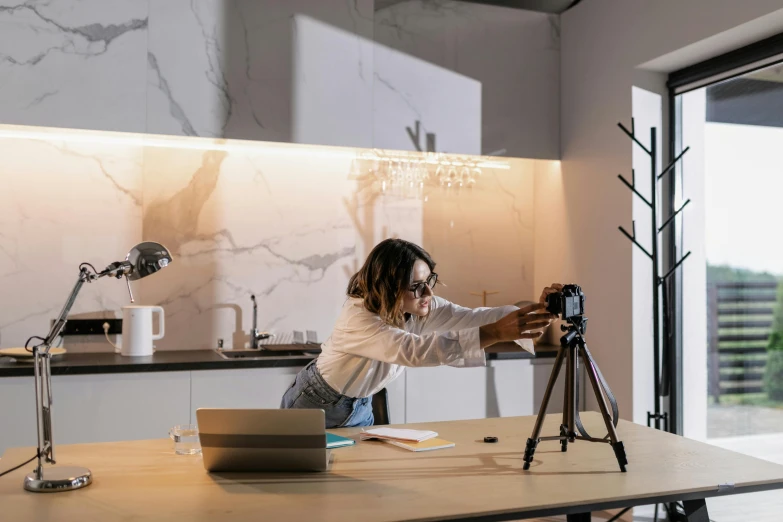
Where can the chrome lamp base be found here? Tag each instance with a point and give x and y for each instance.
(57, 478)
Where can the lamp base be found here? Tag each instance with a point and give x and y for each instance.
(58, 478)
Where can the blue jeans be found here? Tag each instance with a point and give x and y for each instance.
(310, 390)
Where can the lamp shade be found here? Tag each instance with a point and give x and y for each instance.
(147, 258)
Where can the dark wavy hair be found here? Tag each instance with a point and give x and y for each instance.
(385, 277)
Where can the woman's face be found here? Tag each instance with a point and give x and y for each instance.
(418, 305)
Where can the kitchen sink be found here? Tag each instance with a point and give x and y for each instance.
(294, 351)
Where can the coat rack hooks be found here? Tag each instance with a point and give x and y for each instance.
(657, 280)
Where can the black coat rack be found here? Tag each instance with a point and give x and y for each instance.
(659, 283)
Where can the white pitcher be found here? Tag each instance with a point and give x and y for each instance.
(137, 335)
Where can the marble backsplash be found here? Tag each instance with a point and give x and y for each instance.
(288, 223)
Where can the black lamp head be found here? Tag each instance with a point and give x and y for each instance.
(147, 258)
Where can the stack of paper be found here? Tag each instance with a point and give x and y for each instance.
(412, 440)
(397, 434)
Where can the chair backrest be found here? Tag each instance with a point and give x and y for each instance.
(380, 408)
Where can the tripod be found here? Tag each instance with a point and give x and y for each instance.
(572, 347)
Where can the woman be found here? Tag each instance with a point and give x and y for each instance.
(391, 320)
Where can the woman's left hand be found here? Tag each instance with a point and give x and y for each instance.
(553, 288)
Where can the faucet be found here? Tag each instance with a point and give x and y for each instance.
(255, 335)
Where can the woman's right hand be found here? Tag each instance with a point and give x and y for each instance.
(525, 323)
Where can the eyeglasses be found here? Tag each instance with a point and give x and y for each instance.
(418, 288)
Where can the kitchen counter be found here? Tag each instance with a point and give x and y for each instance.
(163, 361)
(187, 360)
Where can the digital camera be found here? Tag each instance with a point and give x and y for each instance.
(568, 303)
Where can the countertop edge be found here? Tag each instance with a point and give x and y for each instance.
(194, 360)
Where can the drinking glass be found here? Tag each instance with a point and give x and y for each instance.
(185, 437)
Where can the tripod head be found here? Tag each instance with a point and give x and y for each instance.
(576, 328)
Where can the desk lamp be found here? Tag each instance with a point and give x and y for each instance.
(143, 259)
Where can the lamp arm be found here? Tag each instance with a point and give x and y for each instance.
(43, 372)
(59, 323)
(43, 376)
(117, 269)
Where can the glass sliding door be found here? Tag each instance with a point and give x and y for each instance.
(732, 295)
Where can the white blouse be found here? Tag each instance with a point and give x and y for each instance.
(364, 353)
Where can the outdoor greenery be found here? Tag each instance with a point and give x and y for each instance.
(773, 373)
(728, 274)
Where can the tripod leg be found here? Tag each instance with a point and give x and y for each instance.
(572, 365)
(563, 438)
(532, 442)
(567, 427)
(617, 446)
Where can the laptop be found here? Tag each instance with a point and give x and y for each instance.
(263, 440)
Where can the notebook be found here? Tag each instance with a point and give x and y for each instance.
(425, 445)
(398, 434)
(336, 441)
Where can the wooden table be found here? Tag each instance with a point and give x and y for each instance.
(373, 481)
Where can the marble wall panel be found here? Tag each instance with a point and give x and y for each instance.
(514, 54)
(74, 64)
(63, 202)
(287, 223)
(277, 71)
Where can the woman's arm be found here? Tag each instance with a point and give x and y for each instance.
(445, 315)
(368, 336)
(504, 323)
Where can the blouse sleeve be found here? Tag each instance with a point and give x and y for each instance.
(368, 336)
(445, 315)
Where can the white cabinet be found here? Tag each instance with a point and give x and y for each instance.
(17, 413)
(132, 406)
(118, 406)
(445, 393)
(501, 389)
(251, 388)
(96, 408)
(396, 392)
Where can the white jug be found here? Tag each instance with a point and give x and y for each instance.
(137, 335)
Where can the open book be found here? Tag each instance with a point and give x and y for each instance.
(396, 434)
(425, 445)
(412, 440)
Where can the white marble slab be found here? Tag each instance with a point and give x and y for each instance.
(513, 54)
(63, 203)
(445, 104)
(77, 65)
(261, 70)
